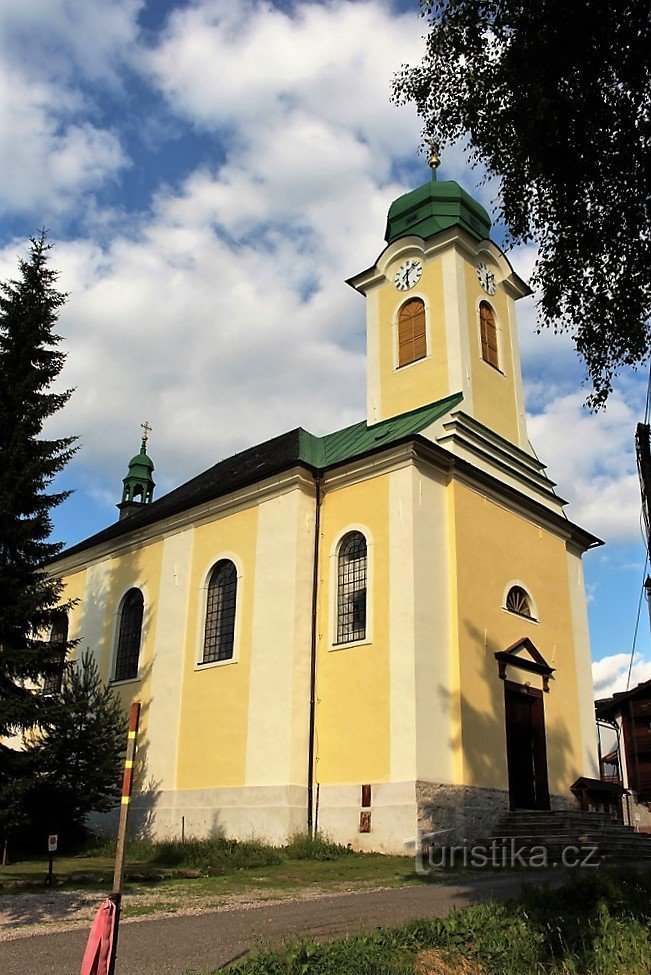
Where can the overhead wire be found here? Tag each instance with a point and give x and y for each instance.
(637, 622)
(643, 588)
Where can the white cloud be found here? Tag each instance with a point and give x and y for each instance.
(223, 314)
(251, 66)
(590, 456)
(48, 158)
(221, 344)
(53, 149)
(610, 674)
(58, 39)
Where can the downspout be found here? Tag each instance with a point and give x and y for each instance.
(313, 648)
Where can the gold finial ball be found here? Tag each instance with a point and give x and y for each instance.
(434, 159)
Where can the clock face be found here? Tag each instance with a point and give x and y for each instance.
(408, 274)
(486, 279)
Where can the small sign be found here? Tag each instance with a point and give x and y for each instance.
(52, 842)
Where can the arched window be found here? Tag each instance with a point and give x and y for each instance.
(351, 588)
(517, 601)
(58, 642)
(219, 633)
(129, 633)
(412, 342)
(488, 328)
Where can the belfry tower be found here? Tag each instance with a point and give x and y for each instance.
(138, 484)
(440, 307)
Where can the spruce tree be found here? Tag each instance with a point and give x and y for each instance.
(30, 364)
(78, 753)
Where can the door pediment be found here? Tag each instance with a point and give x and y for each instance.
(524, 655)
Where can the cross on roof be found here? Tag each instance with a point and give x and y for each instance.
(146, 430)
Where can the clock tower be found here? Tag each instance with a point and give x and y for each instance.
(440, 307)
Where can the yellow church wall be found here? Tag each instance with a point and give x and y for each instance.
(139, 568)
(279, 687)
(583, 662)
(74, 587)
(434, 648)
(408, 387)
(497, 548)
(353, 681)
(99, 589)
(493, 390)
(167, 670)
(213, 719)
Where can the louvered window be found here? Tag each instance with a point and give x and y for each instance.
(517, 601)
(129, 634)
(412, 341)
(489, 351)
(219, 633)
(58, 641)
(351, 588)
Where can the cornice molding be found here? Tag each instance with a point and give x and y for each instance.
(295, 478)
(457, 237)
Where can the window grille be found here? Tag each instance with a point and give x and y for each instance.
(58, 638)
(219, 633)
(488, 328)
(351, 588)
(128, 649)
(412, 342)
(517, 601)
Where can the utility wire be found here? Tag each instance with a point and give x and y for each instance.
(637, 622)
(643, 590)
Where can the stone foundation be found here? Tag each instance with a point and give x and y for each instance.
(459, 813)
(399, 813)
(465, 813)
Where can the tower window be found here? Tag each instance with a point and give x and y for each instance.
(517, 601)
(129, 634)
(488, 328)
(58, 640)
(412, 341)
(351, 588)
(219, 632)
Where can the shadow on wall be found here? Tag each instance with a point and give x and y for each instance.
(484, 731)
(98, 631)
(473, 808)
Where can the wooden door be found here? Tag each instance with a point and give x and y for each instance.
(526, 747)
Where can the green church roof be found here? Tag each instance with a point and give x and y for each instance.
(360, 438)
(279, 454)
(433, 207)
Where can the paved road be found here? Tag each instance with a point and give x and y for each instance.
(202, 943)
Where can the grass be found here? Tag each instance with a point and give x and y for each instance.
(216, 866)
(593, 925)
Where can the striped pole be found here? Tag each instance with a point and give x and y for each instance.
(127, 786)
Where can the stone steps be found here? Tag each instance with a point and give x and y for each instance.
(556, 831)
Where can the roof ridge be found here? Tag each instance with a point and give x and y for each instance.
(296, 446)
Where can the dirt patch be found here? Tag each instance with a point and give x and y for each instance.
(24, 915)
(434, 963)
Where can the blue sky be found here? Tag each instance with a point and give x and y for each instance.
(189, 158)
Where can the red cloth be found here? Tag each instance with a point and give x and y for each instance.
(100, 940)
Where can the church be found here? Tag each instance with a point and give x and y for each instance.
(371, 633)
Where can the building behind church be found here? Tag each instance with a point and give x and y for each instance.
(371, 632)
